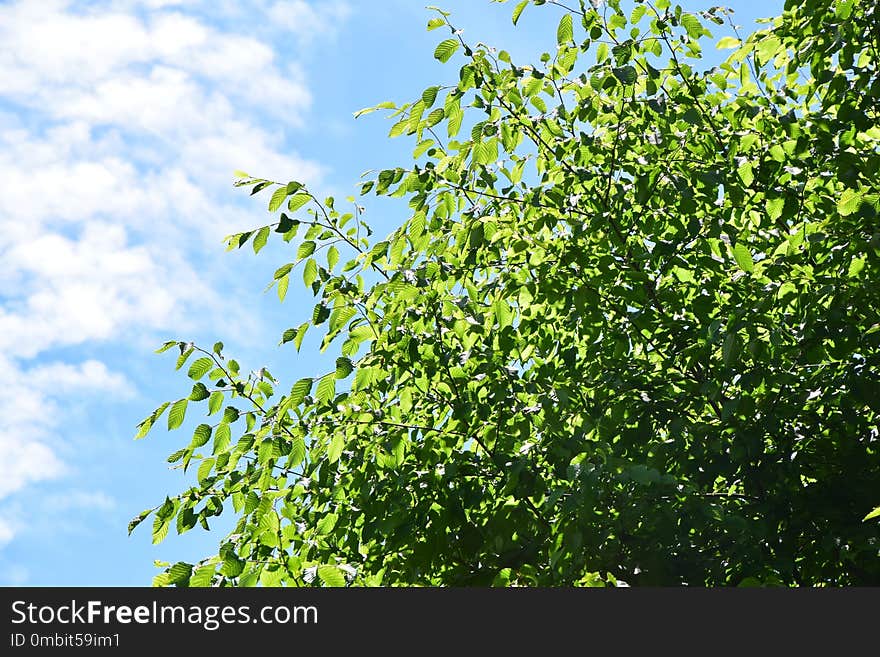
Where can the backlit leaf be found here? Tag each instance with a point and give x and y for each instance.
(445, 50)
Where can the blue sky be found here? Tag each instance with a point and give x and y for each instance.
(121, 123)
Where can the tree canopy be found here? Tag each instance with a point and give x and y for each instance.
(629, 330)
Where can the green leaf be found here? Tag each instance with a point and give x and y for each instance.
(334, 450)
(144, 428)
(331, 575)
(453, 125)
(626, 74)
(327, 523)
(299, 391)
(297, 201)
(367, 110)
(518, 10)
(874, 514)
(768, 47)
(856, 266)
(727, 42)
(215, 401)
(565, 30)
(179, 573)
(429, 95)
(160, 529)
(339, 317)
(843, 9)
(283, 284)
(502, 313)
(310, 272)
(343, 367)
(326, 389)
(398, 129)
(277, 198)
(201, 435)
(692, 24)
(186, 519)
(421, 147)
(203, 576)
(300, 334)
(178, 455)
(637, 14)
(177, 414)
(730, 348)
(232, 565)
(261, 238)
(435, 117)
(746, 174)
(185, 353)
(199, 392)
(332, 257)
(200, 367)
(260, 186)
(438, 10)
(204, 470)
(297, 453)
(166, 510)
(166, 346)
(147, 424)
(743, 257)
(775, 207)
(137, 520)
(486, 152)
(850, 201)
(445, 50)
(222, 437)
(305, 250)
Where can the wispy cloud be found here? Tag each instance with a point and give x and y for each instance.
(305, 21)
(52, 513)
(6, 532)
(30, 414)
(120, 125)
(79, 499)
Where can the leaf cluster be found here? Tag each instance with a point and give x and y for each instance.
(629, 330)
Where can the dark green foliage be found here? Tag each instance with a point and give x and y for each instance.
(630, 331)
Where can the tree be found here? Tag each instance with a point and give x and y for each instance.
(629, 330)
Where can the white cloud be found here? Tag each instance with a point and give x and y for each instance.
(71, 290)
(45, 44)
(91, 374)
(79, 499)
(123, 122)
(53, 512)
(164, 103)
(142, 128)
(257, 155)
(305, 21)
(6, 532)
(30, 411)
(107, 66)
(26, 459)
